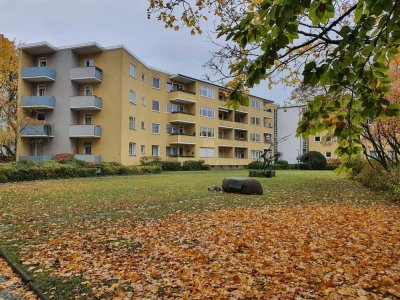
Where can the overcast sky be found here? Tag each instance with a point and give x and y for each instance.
(113, 22)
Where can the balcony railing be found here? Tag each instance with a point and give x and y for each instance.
(38, 102)
(85, 103)
(35, 158)
(182, 139)
(37, 131)
(178, 117)
(183, 133)
(88, 158)
(87, 74)
(82, 131)
(38, 74)
(182, 97)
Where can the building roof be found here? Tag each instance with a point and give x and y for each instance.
(94, 47)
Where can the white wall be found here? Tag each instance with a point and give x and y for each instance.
(289, 146)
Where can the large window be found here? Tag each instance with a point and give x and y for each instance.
(206, 112)
(155, 127)
(255, 121)
(255, 154)
(207, 152)
(156, 83)
(132, 96)
(132, 149)
(256, 104)
(155, 105)
(132, 70)
(207, 92)
(155, 150)
(171, 108)
(207, 132)
(255, 137)
(132, 123)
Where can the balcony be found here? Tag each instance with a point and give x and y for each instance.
(37, 131)
(38, 74)
(182, 139)
(38, 102)
(35, 158)
(181, 117)
(88, 158)
(84, 131)
(85, 103)
(182, 96)
(86, 74)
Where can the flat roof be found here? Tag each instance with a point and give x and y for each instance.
(94, 47)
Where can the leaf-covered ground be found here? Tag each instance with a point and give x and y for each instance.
(312, 235)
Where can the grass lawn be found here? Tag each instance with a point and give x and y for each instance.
(166, 236)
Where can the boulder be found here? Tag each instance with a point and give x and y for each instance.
(247, 186)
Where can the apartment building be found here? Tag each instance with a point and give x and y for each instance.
(105, 104)
(290, 147)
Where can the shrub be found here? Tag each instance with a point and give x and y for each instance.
(150, 161)
(171, 166)
(194, 165)
(281, 165)
(256, 173)
(255, 165)
(313, 160)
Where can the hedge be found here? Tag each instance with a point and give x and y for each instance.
(28, 170)
(189, 165)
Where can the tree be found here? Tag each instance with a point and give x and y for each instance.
(341, 47)
(9, 121)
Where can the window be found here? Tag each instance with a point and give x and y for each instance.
(255, 121)
(155, 127)
(207, 92)
(143, 125)
(132, 123)
(156, 83)
(207, 132)
(87, 119)
(155, 105)
(255, 137)
(143, 77)
(267, 138)
(89, 62)
(132, 149)
(132, 96)
(144, 101)
(41, 116)
(42, 61)
(255, 104)
(207, 152)
(88, 91)
(36, 148)
(317, 138)
(155, 150)
(328, 138)
(328, 154)
(132, 70)
(143, 149)
(87, 148)
(41, 90)
(174, 87)
(255, 154)
(172, 108)
(206, 112)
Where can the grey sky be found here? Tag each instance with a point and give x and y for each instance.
(113, 22)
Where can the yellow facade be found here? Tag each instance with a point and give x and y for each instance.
(324, 143)
(234, 142)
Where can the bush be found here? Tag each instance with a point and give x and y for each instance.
(256, 173)
(171, 166)
(150, 161)
(281, 165)
(375, 177)
(194, 165)
(313, 160)
(255, 165)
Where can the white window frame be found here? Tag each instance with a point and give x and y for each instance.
(132, 149)
(86, 146)
(208, 110)
(317, 137)
(152, 107)
(159, 83)
(39, 87)
(207, 92)
(256, 104)
(255, 121)
(143, 149)
(88, 116)
(208, 132)
(206, 152)
(158, 150)
(155, 125)
(88, 88)
(255, 137)
(144, 101)
(132, 96)
(132, 70)
(132, 123)
(255, 154)
(42, 59)
(89, 62)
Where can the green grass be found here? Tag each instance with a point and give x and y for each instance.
(34, 212)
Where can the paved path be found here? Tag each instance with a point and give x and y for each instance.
(11, 286)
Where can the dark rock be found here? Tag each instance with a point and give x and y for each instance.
(247, 186)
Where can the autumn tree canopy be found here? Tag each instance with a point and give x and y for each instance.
(342, 47)
(9, 122)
